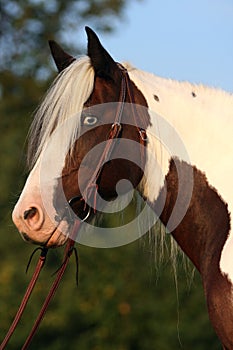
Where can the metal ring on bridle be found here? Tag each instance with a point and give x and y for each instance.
(87, 216)
(75, 199)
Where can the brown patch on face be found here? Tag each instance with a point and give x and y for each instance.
(77, 172)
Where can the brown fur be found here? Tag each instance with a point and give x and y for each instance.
(201, 235)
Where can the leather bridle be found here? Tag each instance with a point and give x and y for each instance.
(91, 190)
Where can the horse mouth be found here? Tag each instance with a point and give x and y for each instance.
(55, 239)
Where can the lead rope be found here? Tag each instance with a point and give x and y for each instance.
(67, 254)
(26, 297)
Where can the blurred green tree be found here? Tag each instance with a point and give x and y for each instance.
(26, 25)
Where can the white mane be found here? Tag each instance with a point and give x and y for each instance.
(64, 99)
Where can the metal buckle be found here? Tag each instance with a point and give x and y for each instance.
(117, 124)
(143, 135)
(115, 130)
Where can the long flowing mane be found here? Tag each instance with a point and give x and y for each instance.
(64, 99)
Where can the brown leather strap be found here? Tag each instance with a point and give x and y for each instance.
(26, 297)
(67, 254)
(114, 133)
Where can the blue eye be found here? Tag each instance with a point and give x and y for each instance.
(89, 120)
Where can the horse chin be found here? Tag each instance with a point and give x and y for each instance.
(57, 239)
(53, 239)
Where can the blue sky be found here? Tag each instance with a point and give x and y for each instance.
(178, 39)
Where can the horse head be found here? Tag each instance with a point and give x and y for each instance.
(87, 136)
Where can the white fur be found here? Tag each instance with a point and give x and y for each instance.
(205, 124)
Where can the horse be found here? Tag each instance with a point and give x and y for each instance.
(106, 130)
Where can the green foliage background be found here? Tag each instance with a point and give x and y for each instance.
(123, 302)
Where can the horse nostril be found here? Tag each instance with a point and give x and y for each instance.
(28, 214)
(33, 218)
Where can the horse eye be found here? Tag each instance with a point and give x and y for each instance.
(90, 120)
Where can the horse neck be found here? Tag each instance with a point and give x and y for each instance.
(192, 112)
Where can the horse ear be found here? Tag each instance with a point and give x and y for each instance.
(102, 62)
(61, 58)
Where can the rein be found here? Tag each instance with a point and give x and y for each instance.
(92, 186)
(41, 261)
